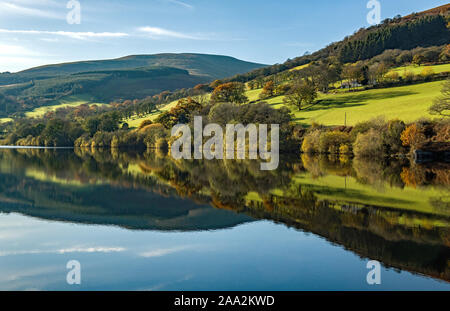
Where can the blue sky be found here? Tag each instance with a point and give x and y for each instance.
(36, 32)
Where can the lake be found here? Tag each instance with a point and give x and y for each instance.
(143, 221)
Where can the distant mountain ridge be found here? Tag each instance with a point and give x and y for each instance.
(130, 77)
(210, 66)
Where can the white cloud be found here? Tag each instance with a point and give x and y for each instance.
(100, 249)
(51, 40)
(184, 4)
(69, 34)
(8, 8)
(158, 33)
(162, 252)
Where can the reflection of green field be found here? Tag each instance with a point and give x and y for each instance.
(337, 188)
(69, 101)
(4, 120)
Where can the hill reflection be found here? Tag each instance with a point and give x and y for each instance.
(394, 212)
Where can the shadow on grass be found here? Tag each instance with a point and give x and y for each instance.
(354, 100)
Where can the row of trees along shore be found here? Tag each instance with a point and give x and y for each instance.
(104, 126)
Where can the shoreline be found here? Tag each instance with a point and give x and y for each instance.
(33, 147)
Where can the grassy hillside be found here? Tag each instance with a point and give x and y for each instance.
(69, 101)
(135, 121)
(419, 69)
(407, 103)
(131, 77)
(423, 29)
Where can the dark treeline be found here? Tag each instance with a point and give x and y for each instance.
(394, 34)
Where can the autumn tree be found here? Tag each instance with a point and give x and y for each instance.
(182, 113)
(145, 123)
(202, 88)
(412, 136)
(233, 92)
(445, 54)
(418, 59)
(215, 84)
(427, 72)
(268, 90)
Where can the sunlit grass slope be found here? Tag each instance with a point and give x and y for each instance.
(407, 103)
(69, 101)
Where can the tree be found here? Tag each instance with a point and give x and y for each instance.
(91, 125)
(412, 136)
(445, 54)
(418, 59)
(392, 76)
(427, 72)
(268, 90)
(323, 75)
(145, 123)
(356, 73)
(302, 93)
(404, 58)
(233, 92)
(377, 72)
(182, 113)
(369, 144)
(215, 84)
(441, 105)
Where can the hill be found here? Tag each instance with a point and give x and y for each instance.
(405, 102)
(208, 66)
(130, 77)
(424, 29)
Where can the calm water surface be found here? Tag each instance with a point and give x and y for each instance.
(145, 222)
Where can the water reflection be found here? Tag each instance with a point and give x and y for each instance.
(395, 212)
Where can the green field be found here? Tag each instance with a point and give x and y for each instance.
(69, 101)
(417, 70)
(407, 103)
(135, 121)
